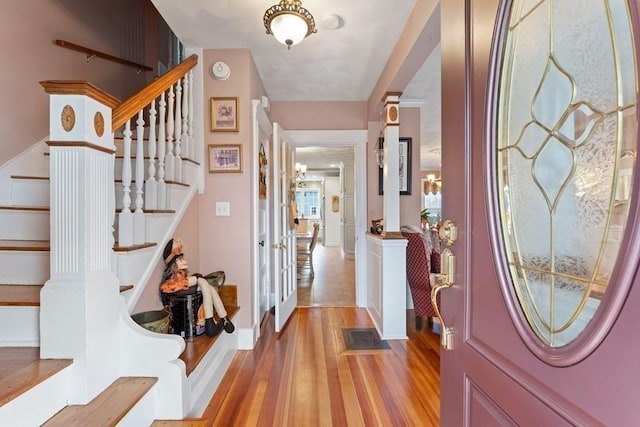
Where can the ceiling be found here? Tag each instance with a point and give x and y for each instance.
(341, 64)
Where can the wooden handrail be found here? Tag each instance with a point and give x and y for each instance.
(95, 53)
(137, 102)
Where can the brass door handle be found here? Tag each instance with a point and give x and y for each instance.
(448, 232)
(438, 283)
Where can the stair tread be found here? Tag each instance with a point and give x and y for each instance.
(29, 177)
(109, 407)
(118, 248)
(25, 245)
(196, 348)
(20, 295)
(187, 422)
(21, 369)
(26, 208)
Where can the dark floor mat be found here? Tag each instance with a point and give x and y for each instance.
(363, 339)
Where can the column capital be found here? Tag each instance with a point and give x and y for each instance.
(392, 108)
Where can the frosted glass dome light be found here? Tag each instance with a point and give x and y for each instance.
(289, 22)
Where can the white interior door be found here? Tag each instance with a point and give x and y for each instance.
(284, 236)
(262, 130)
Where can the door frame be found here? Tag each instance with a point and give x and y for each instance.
(358, 140)
(261, 125)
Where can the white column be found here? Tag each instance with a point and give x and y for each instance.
(79, 307)
(391, 170)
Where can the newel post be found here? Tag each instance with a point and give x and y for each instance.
(80, 302)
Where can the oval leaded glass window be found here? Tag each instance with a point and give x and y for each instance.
(566, 134)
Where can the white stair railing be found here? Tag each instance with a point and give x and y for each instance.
(174, 127)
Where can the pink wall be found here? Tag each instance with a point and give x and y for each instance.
(28, 55)
(226, 242)
(320, 115)
(409, 204)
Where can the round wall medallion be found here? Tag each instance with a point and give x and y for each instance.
(98, 123)
(68, 118)
(393, 113)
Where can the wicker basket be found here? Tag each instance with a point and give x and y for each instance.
(154, 321)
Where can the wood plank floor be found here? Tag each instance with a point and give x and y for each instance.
(334, 283)
(305, 377)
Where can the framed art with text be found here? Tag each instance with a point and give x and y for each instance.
(224, 114)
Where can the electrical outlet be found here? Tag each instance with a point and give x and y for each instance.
(223, 209)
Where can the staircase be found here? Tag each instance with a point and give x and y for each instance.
(96, 264)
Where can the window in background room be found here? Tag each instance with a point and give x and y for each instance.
(308, 202)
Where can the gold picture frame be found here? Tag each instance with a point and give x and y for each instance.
(224, 114)
(225, 158)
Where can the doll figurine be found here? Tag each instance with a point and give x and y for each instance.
(176, 277)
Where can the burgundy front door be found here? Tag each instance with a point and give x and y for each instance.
(539, 171)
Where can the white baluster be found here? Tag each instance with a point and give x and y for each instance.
(184, 138)
(168, 159)
(151, 186)
(125, 218)
(178, 137)
(162, 140)
(138, 216)
(193, 155)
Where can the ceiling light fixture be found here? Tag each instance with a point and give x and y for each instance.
(301, 172)
(289, 22)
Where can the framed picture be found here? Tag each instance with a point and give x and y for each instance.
(225, 158)
(404, 154)
(224, 114)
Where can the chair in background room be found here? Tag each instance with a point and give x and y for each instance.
(419, 252)
(305, 252)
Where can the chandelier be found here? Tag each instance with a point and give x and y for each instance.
(289, 22)
(301, 172)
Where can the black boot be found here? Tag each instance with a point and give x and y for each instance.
(228, 326)
(212, 328)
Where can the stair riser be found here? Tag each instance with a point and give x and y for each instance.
(176, 195)
(120, 161)
(130, 266)
(52, 395)
(19, 326)
(30, 192)
(24, 225)
(142, 414)
(24, 268)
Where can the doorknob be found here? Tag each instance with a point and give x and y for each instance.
(440, 282)
(261, 243)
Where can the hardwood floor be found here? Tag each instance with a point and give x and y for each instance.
(305, 377)
(334, 283)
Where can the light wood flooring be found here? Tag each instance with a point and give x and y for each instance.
(304, 376)
(334, 284)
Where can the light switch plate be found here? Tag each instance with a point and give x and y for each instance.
(223, 209)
